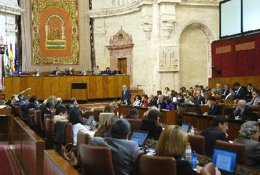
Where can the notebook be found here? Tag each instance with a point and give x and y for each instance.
(139, 137)
(225, 160)
(185, 127)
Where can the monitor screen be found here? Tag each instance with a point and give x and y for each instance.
(225, 160)
(139, 137)
(185, 127)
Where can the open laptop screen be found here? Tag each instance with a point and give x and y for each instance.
(225, 160)
(139, 137)
(185, 127)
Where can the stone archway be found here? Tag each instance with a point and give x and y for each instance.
(121, 49)
(195, 40)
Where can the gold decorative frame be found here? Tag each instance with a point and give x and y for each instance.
(55, 33)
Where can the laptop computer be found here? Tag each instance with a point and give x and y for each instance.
(225, 160)
(139, 137)
(185, 127)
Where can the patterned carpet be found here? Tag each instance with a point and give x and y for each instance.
(8, 162)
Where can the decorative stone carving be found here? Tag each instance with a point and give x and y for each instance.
(121, 46)
(168, 61)
(147, 26)
(167, 26)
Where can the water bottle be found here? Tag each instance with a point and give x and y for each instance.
(194, 160)
(188, 152)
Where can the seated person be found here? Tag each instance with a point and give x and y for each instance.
(96, 70)
(104, 129)
(107, 71)
(248, 135)
(116, 72)
(138, 101)
(152, 125)
(23, 101)
(172, 143)
(73, 104)
(76, 119)
(69, 71)
(56, 72)
(133, 114)
(214, 109)
(255, 98)
(61, 114)
(124, 151)
(217, 131)
(243, 111)
(36, 72)
(198, 98)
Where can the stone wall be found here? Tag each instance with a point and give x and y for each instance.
(171, 39)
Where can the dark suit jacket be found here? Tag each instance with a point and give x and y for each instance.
(199, 100)
(215, 110)
(126, 96)
(225, 93)
(211, 135)
(107, 72)
(241, 93)
(184, 167)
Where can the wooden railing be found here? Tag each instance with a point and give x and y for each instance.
(28, 147)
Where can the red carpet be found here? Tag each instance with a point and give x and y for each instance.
(8, 162)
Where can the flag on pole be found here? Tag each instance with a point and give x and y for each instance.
(16, 61)
(6, 62)
(11, 58)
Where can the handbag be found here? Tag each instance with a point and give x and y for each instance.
(68, 152)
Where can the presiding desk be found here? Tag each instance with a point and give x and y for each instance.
(66, 87)
(202, 122)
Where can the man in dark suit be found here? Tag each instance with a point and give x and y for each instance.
(69, 71)
(214, 108)
(217, 131)
(125, 96)
(240, 92)
(116, 72)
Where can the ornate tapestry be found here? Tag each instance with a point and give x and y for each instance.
(55, 32)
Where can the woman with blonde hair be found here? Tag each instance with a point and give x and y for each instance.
(172, 142)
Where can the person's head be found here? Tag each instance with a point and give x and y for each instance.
(75, 116)
(167, 89)
(255, 94)
(61, 110)
(249, 130)
(20, 96)
(124, 87)
(241, 104)
(220, 122)
(49, 105)
(236, 85)
(218, 86)
(107, 108)
(32, 99)
(73, 101)
(159, 93)
(120, 129)
(226, 86)
(172, 142)
(154, 115)
(133, 113)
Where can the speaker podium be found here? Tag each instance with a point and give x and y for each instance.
(79, 91)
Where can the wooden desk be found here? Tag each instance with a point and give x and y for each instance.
(98, 87)
(55, 164)
(167, 117)
(201, 123)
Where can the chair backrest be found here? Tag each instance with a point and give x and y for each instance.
(31, 116)
(38, 120)
(208, 169)
(82, 138)
(68, 134)
(198, 144)
(95, 160)
(18, 111)
(136, 124)
(238, 148)
(154, 165)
